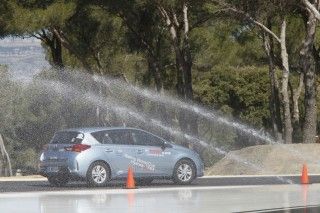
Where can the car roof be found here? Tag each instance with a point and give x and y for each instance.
(95, 129)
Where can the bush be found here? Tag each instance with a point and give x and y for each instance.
(26, 161)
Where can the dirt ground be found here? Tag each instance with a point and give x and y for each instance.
(269, 160)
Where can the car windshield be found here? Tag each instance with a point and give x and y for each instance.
(67, 138)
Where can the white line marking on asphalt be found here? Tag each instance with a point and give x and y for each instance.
(116, 191)
(26, 178)
(23, 178)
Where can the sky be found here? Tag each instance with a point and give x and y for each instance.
(24, 57)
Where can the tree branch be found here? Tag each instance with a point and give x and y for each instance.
(65, 42)
(248, 17)
(312, 8)
(206, 18)
(185, 19)
(43, 37)
(262, 26)
(38, 36)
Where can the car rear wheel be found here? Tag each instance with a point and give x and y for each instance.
(58, 180)
(184, 172)
(98, 174)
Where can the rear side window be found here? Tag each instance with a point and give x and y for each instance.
(67, 138)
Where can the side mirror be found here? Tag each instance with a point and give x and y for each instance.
(166, 145)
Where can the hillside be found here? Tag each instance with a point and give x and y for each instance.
(269, 160)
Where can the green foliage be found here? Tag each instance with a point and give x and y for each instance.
(220, 43)
(30, 17)
(5, 17)
(242, 92)
(8, 96)
(94, 35)
(26, 160)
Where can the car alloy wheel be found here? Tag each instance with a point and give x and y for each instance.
(98, 174)
(184, 172)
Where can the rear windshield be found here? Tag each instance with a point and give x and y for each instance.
(67, 138)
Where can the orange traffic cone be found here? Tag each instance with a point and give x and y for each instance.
(304, 176)
(130, 180)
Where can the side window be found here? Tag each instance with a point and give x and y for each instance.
(103, 137)
(120, 137)
(145, 139)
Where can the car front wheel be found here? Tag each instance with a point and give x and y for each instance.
(98, 174)
(184, 172)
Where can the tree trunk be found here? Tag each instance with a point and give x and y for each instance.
(159, 109)
(274, 87)
(56, 52)
(51, 39)
(188, 122)
(155, 70)
(308, 68)
(284, 89)
(173, 27)
(175, 41)
(187, 59)
(295, 93)
(5, 168)
(100, 119)
(187, 66)
(295, 100)
(66, 44)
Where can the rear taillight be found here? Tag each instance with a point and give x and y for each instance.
(77, 148)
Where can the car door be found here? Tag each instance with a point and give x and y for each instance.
(118, 150)
(153, 159)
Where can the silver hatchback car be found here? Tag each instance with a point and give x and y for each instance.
(99, 155)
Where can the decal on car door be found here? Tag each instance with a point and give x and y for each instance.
(157, 152)
(140, 163)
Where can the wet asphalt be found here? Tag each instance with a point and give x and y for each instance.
(32, 186)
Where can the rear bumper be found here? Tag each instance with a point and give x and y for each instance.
(62, 171)
(71, 164)
(46, 172)
(58, 165)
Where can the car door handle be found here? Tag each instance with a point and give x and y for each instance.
(108, 150)
(140, 151)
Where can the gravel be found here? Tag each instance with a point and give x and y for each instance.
(269, 160)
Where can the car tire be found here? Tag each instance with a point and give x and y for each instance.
(184, 172)
(144, 181)
(98, 174)
(58, 180)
